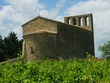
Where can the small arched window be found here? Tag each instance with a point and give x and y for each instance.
(32, 50)
(74, 21)
(87, 21)
(69, 21)
(81, 21)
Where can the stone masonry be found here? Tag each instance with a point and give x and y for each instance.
(46, 38)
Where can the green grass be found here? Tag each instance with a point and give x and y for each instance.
(57, 71)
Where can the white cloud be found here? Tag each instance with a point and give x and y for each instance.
(18, 12)
(54, 12)
(101, 12)
(25, 7)
(15, 14)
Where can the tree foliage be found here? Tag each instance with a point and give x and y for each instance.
(2, 58)
(10, 46)
(105, 49)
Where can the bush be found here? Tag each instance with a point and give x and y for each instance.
(57, 71)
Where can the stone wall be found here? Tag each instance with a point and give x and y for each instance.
(10, 61)
(74, 41)
(39, 25)
(40, 45)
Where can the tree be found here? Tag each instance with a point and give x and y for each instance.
(105, 49)
(10, 46)
(2, 58)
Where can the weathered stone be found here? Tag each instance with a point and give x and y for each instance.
(48, 38)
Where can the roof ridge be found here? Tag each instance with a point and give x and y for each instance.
(42, 18)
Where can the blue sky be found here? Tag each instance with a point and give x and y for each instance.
(1, 3)
(14, 13)
(52, 3)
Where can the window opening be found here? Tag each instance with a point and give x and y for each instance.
(87, 21)
(81, 22)
(32, 50)
(69, 21)
(74, 21)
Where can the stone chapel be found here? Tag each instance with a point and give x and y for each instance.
(46, 38)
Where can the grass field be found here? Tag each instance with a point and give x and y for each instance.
(57, 71)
